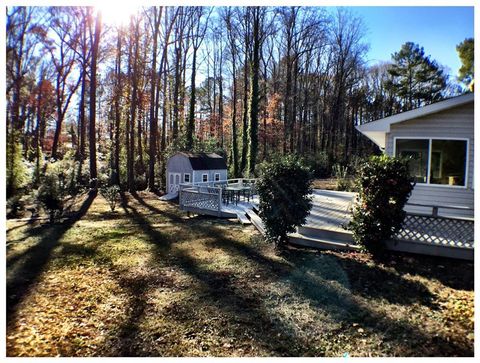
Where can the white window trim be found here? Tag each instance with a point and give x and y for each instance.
(215, 177)
(430, 139)
(206, 181)
(189, 178)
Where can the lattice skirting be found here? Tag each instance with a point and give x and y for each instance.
(437, 231)
(200, 200)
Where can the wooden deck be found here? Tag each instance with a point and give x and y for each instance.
(332, 211)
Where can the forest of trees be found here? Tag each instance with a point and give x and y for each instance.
(247, 82)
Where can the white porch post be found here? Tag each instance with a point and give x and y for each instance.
(219, 202)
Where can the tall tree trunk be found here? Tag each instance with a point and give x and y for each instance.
(118, 115)
(93, 105)
(243, 163)
(133, 110)
(176, 91)
(234, 125)
(220, 106)
(254, 96)
(153, 119)
(191, 115)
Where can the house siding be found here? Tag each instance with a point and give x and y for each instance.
(178, 164)
(211, 175)
(454, 123)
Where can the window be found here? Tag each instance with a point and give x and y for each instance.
(186, 178)
(217, 176)
(417, 152)
(449, 159)
(435, 161)
(204, 178)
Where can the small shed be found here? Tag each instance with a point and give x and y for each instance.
(439, 139)
(184, 167)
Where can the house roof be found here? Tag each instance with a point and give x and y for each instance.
(206, 161)
(376, 130)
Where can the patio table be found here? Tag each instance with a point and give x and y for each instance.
(234, 192)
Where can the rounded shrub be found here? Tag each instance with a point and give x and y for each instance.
(384, 185)
(50, 196)
(284, 188)
(111, 195)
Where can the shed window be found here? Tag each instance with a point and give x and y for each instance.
(186, 178)
(435, 161)
(204, 178)
(217, 176)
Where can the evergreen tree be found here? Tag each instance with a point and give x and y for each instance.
(466, 53)
(415, 78)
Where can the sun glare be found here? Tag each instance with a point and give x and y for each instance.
(117, 14)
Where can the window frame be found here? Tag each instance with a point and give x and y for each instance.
(215, 177)
(189, 178)
(205, 181)
(430, 140)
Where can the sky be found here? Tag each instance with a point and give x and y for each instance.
(437, 29)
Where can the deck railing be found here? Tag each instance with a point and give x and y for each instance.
(208, 195)
(438, 230)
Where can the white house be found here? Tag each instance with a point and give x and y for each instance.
(439, 138)
(186, 167)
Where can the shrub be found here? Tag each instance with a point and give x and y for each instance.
(111, 195)
(319, 164)
(50, 196)
(384, 185)
(17, 172)
(284, 188)
(344, 183)
(14, 206)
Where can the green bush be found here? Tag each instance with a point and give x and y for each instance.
(50, 196)
(14, 206)
(284, 188)
(111, 195)
(319, 164)
(17, 172)
(384, 185)
(341, 173)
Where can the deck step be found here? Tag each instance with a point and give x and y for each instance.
(242, 217)
(302, 240)
(256, 221)
(317, 232)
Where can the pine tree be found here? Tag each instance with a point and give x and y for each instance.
(466, 53)
(415, 78)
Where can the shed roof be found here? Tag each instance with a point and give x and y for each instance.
(376, 130)
(206, 161)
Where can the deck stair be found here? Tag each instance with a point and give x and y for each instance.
(323, 238)
(256, 220)
(243, 219)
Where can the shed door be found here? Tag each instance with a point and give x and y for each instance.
(174, 182)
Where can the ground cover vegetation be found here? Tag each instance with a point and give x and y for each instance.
(147, 280)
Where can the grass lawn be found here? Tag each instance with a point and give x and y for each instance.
(148, 280)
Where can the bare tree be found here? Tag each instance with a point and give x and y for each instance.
(93, 103)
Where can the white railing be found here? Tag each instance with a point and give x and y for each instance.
(208, 195)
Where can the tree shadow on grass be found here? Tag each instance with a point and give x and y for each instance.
(454, 273)
(151, 208)
(314, 284)
(214, 287)
(322, 288)
(23, 272)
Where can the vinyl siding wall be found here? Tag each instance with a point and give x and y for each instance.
(178, 164)
(454, 123)
(211, 175)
